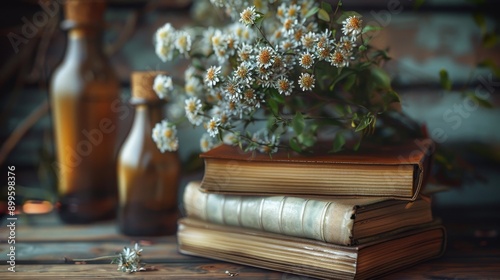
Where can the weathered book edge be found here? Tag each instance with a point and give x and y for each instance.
(420, 157)
(302, 270)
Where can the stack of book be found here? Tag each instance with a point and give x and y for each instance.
(343, 215)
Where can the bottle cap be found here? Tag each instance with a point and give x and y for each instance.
(142, 85)
(85, 11)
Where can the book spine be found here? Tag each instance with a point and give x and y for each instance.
(308, 218)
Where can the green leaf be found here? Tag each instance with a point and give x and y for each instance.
(366, 120)
(444, 79)
(307, 139)
(382, 54)
(338, 142)
(327, 7)
(273, 105)
(311, 12)
(349, 82)
(392, 96)
(298, 123)
(480, 101)
(343, 73)
(381, 77)
(276, 96)
(370, 28)
(349, 109)
(294, 144)
(323, 15)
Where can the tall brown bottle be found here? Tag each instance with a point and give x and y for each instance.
(148, 179)
(83, 91)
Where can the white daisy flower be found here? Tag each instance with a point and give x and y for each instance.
(163, 85)
(306, 81)
(265, 57)
(165, 136)
(229, 138)
(244, 52)
(266, 143)
(248, 16)
(193, 86)
(212, 76)
(182, 42)
(308, 40)
(284, 86)
(244, 73)
(339, 59)
(232, 89)
(293, 11)
(164, 51)
(165, 33)
(306, 60)
(346, 44)
(212, 127)
(207, 142)
(193, 108)
(352, 26)
(163, 42)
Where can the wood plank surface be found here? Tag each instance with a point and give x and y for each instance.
(43, 243)
(207, 270)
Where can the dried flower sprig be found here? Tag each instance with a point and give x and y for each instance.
(129, 260)
(282, 74)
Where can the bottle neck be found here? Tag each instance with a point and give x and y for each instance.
(85, 42)
(147, 115)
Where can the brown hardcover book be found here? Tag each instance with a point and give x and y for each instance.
(397, 171)
(343, 221)
(309, 257)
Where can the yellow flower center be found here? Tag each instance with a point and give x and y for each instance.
(246, 16)
(354, 23)
(306, 60)
(284, 85)
(264, 56)
(337, 57)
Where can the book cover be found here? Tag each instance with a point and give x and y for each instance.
(309, 257)
(397, 171)
(344, 221)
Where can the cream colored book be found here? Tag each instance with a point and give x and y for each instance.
(310, 257)
(344, 221)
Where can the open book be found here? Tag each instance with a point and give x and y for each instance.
(344, 221)
(396, 171)
(309, 257)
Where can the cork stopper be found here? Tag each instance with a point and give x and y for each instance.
(142, 85)
(85, 11)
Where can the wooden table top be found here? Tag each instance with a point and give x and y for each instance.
(43, 243)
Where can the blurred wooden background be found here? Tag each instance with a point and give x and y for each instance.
(438, 35)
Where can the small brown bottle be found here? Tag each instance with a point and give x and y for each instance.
(148, 179)
(84, 90)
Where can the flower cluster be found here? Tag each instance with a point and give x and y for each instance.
(129, 260)
(165, 136)
(278, 72)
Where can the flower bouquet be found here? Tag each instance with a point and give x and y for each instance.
(276, 75)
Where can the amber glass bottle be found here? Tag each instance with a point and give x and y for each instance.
(83, 90)
(148, 179)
